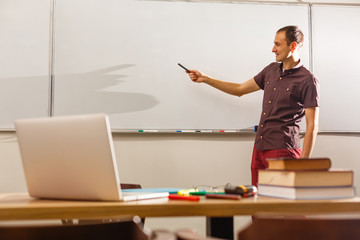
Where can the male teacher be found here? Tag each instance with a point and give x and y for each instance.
(290, 92)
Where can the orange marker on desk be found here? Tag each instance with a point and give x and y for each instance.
(179, 197)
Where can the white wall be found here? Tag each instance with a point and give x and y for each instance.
(182, 160)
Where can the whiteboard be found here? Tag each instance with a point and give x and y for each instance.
(120, 57)
(24, 60)
(336, 63)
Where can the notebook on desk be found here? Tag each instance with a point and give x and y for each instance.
(72, 157)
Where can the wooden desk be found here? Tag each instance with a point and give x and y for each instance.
(19, 206)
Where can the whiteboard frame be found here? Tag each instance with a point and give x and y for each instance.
(310, 4)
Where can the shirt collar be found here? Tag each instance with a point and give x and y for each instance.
(296, 67)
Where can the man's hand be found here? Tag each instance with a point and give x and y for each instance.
(197, 76)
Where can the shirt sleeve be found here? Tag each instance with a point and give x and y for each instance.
(260, 78)
(311, 93)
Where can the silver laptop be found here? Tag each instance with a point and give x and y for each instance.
(72, 157)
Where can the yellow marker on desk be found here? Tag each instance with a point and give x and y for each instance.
(186, 192)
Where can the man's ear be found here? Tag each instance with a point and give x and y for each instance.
(293, 46)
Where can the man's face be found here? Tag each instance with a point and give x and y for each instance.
(281, 49)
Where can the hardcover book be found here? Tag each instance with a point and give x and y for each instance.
(299, 164)
(306, 178)
(306, 192)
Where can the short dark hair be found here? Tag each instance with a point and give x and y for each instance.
(293, 34)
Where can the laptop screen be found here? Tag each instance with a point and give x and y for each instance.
(69, 157)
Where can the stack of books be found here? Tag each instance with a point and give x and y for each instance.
(305, 179)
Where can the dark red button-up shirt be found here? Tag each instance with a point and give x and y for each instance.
(286, 95)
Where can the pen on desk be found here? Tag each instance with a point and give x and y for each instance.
(224, 196)
(181, 197)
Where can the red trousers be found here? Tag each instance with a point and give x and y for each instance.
(259, 159)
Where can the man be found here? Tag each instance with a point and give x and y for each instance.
(290, 93)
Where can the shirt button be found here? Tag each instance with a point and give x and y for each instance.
(269, 101)
(287, 89)
(280, 78)
(267, 82)
(264, 113)
(274, 89)
(261, 125)
(260, 137)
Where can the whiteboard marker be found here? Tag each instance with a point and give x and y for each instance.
(149, 131)
(206, 131)
(184, 68)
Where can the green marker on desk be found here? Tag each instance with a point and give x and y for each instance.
(201, 193)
